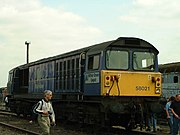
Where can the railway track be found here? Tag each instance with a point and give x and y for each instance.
(123, 131)
(13, 127)
(23, 126)
(18, 129)
(116, 130)
(5, 112)
(69, 129)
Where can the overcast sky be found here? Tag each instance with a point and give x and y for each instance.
(57, 26)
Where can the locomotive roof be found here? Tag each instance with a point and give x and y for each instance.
(169, 67)
(129, 42)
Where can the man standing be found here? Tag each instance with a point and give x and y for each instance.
(169, 113)
(152, 120)
(46, 116)
(175, 108)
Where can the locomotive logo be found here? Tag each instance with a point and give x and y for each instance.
(92, 78)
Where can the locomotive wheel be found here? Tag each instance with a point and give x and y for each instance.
(18, 114)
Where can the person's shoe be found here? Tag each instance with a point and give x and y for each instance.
(148, 129)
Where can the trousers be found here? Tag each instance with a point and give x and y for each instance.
(176, 124)
(170, 123)
(44, 123)
(152, 120)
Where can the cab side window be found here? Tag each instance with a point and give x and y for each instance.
(175, 79)
(93, 62)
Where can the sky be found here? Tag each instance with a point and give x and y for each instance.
(57, 26)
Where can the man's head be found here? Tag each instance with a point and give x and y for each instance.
(172, 98)
(178, 97)
(48, 95)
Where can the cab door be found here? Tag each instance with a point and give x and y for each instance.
(92, 75)
(15, 82)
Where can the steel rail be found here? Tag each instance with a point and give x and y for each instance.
(19, 129)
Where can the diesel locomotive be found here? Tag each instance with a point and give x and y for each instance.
(111, 83)
(170, 79)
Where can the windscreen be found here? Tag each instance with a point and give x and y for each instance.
(143, 61)
(117, 59)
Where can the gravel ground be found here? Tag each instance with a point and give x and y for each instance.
(57, 130)
(33, 126)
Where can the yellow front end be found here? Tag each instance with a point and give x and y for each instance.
(126, 83)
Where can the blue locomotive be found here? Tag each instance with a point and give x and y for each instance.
(111, 83)
(171, 79)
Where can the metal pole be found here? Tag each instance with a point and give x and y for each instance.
(27, 43)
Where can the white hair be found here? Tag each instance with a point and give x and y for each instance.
(47, 92)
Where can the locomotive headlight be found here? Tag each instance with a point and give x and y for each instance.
(158, 82)
(157, 91)
(107, 81)
(107, 77)
(158, 79)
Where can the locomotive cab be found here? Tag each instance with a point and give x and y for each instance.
(127, 60)
(18, 81)
(125, 73)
